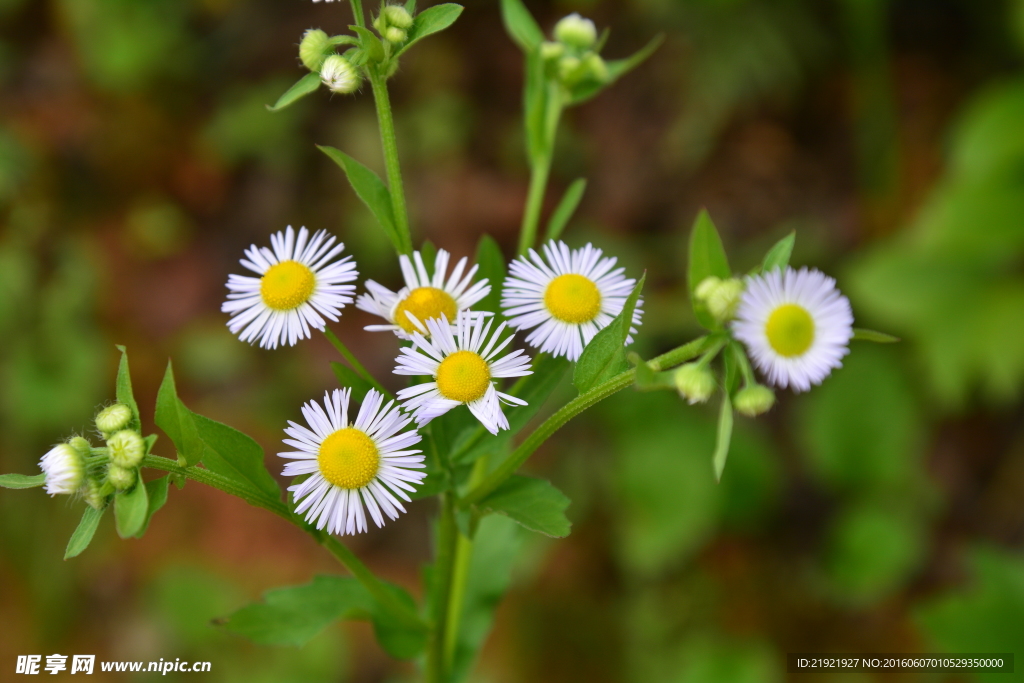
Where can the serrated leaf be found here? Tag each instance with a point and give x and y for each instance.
(707, 258)
(605, 355)
(617, 68)
(235, 455)
(124, 389)
(347, 377)
(370, 189)
(861, 334)
(723, 437)
(302, 87)
(491, 265)
(431, 20)
(520, 25)
(130, 509)
(778, 255)
(534, 503)
(83, 534)
(369, 43)
(565, 209)
(176, 420)
(22, 481)
(156, 492)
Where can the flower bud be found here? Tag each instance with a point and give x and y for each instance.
(314, 48)
(121, 478)
(569, 69)
(595, 67)
(754, 399)
(720, 296)
(339, 75)
(113, 418)
(706, 286)
(576, 31)
(550, 51)
(126, 449)
(694, 382)
(81, 445)
(94, 495)
(64, 468)
(395, 35)
(397, 16)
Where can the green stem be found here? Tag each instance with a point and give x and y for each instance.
(460, 573)
(574, 408)
(539, 172)
(354, 362)
(447, 539)
(359, 570)
(387, 136)
(357, 12)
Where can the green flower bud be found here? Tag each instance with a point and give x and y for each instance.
(397, 16)
(94, 495)
(569, 71)
(126, 449)
(121, 478)
(81, 445)
(720, 296)
(706, 286)
(694, 382)
(339, 75)
(314, 48)
(595, 67)
(576, 31)
(395, 35)
(550, 51)
(754, 399)
(113, 418)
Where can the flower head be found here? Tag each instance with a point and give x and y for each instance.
(126, 448)
(338, 74)
(366, 462)
(297, 285)
(64, 469)
(113, 418)
(795, 325)
(423, 298)
(464, 364)
(568, 296)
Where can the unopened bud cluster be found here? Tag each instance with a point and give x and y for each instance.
(393, 24)
(571, 56)
(721, 297)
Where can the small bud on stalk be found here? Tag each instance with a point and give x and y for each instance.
(576, 31)
(695, 382)
(126, 449)
(314, 48)
(397, 16)
(113, 418)
(339, 75)
(121, 478)
(754, 400)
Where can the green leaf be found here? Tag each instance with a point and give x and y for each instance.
(176, 420)
(156, 492)
(347, 377)
(535, 108)
(724, 436)
(369, 43)
(22, 481)
(491, 265)
(647, 379)
(565, 209)
(533, 503)
(520, 25)
(124, 389)
(82, 537)
(410, 6)
(861, 334)
(397, 639)
(235, 455)
(707, 259)
(431, 20)
(370, 189)
(293, 615)
(617, 68)
(605, 355)
(778, 255)
(130, 509)
(302, 87)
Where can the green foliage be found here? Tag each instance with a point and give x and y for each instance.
(156, 495)
(862, 334)
(302, 87)
(533, 503)
(177, 422)
(347, 377)
(429, 21)
(231, 453)
(131, 509)
(709, 660)
(491, 264)
(83, 534)
(706, 259)
(398, 639)
(22, 481)
(520, 25)
(617, 68)
(565, 209)
(723, 436)
(605, 355)
(778, 255)
(124, 390)
(371, 190)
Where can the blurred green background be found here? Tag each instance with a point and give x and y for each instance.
(882, 512)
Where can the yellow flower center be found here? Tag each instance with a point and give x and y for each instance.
(790, 330)
(287, 285)
(348, 458)
(425, 303)
(573, 298)
(463, 376)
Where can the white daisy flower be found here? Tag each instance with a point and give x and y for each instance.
(297, 285)
(568, 296)
(423, 298)
(367, 462)
(795, 325)
(64, 469)
(463, 363)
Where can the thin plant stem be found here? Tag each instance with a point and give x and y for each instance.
(539, 172)
(354, 362)
(574, 408)
(447, 538)
(460, 571)
(387, 136)
(357, 12)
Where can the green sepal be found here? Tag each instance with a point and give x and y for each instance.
(520, 25)
(534, 503)
(565, 209)
(861, 334)
(778, 255)
(491, 265)
(131, 508)
(302, 87)
(177, 422)
(605, 355)
(431, 20)
(617, 68)
(347, 377)
(22, 481)
(707, 258)
(723, 437)
(82, 536)
(124, 389)
(370, 189)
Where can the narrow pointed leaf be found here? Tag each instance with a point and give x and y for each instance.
(431, 20)
(130, 508)
(565, 209)
(370, 189)
(235, 455)
(156, 493)
(347, 377)
(533, 503)
(617, 68)
(124, 389)
(520, 25)
(707, 259)
(862, 334)
(724, 436)
(83, 534)
(778, 255)
(491, 264)
(176, 420)
(22, 481)
(605, 355)
(370, 43)
(302, 87)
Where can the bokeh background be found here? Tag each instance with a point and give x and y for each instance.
(882, 512)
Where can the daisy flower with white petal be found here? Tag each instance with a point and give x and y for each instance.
(795, 325)
(566, 297)
(423, 298)
(298, 286)
(464, 363)
(64, 469)
(354, 466)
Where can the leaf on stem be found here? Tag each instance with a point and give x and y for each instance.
(83, 534)
(862, 334)
(124, 389)
(536, 104)
(534, 503)
(370, 189)
(398, 639)
(778, 255)
(491, 264)
(520, 25)
(724, 436)
(156, 493)
(617, 68)
(176, 420)
(431, 20)
(347, 377)
(707, 259)
(22, 481)
(565, 209)
(370, 44)
(302, 87)
(236, 456)
(605, 355)
(130, 508)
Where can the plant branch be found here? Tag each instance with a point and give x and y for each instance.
(356, 365)
(388, 140)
